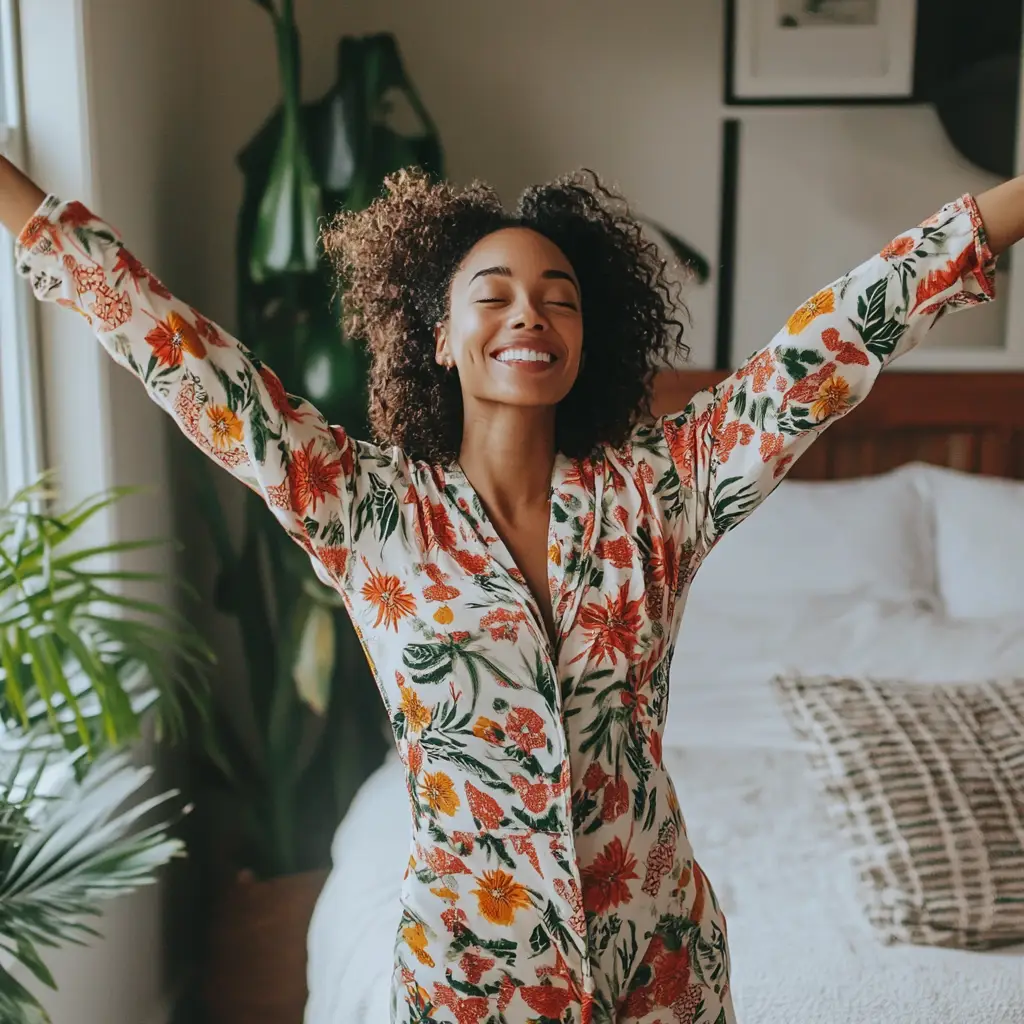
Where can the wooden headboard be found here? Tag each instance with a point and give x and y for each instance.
(969, 421)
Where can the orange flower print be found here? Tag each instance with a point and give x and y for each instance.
(446, 894)
(278, 395)
(526, 729)
(414, 758)
(486, 811)
(39, 235)
(606, 880)
(555, 555)
(311, 477)
(439, 792)
(225, 427)
(898, 248)
(761, 367)
(612, 626)
(444, 616)
(833, 397)
(392, 601)
(489, 730)
(500, 896)
(817, 305)
(173, 336)
(417, 714)
(416, 939)
(805, 391)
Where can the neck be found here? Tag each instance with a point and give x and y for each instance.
(508, 454)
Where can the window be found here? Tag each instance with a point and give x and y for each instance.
(19, 407)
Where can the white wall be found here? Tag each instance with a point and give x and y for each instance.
(110, 97)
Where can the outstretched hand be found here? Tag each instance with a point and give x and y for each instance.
(1002, 212)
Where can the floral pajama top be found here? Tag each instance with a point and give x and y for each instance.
(550, 877)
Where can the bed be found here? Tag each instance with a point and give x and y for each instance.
(909, 514)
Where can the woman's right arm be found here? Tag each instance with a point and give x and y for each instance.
(221, 397)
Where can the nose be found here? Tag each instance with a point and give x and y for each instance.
(525, 317)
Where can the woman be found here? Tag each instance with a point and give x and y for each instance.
(517, 549)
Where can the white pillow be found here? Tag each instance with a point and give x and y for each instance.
(978, 525)
(867, 537)
(730, 648)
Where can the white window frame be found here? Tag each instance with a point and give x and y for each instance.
(20, 412)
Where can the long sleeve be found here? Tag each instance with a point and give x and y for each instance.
(727, 450)
(227, 403)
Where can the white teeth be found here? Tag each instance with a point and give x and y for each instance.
(524, 355)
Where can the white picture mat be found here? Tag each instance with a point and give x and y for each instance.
(822, 189)
(771, 61)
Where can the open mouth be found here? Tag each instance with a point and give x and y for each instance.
(524, 356)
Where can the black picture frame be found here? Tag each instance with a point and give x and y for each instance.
(732, 99)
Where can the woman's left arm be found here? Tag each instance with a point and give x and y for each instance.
(733, 443)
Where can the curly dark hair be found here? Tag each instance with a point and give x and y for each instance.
(396, 260)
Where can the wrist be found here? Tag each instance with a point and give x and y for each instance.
(19, 197)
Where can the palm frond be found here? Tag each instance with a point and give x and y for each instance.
(66, 846)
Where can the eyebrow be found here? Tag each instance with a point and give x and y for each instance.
(548, 275)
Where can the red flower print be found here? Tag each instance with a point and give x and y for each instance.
(76, 215)
(414, 758)
(439, 590)
(581, 474)
(311, 477)
(454, 920)
(347, 449)
(546, 1000)
(939, 281)
(474, 967)
(725, 432)
(433, 525)
(846, 351)
(611, 627)
(621, 515)
(206, 328)
(334, 560)
(782, 466)
(470, 1010)
(806, 391)
(486, 811)
(570, 892)
(619, 552)
(616, 800)
(173, 336)
(671, 973)
(639, 1002)
(761, 367)
(660, 859)
(605, 881)
(595, 777)
(526, 729)
(39, 235)
(654, 742)
(588, 530)
(506, 992)
(771, 445)
(535, 795)
(503, 624)
(441, 862)
(114, 308)
(126, 263)
(278, 395)
(475, 565)
(523, 845)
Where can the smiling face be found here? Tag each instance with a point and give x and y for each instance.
(515, 326)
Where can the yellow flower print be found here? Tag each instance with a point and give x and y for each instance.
(554, 554)
(439, 792)
(823, 302)
(833, 396)
(416, 939)
(500, 896)
(444, 615)
(225, 426)
(417, 714)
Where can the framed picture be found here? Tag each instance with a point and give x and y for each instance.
(820, 51)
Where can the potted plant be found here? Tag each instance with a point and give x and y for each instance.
(83, 664)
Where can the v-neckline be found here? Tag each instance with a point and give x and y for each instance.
(492, 540)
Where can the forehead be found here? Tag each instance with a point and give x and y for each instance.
(521, 250)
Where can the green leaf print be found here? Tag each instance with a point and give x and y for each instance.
(470, 764)
(384, 504)
(558, 512)
(878, 332)
(551, 822)
(733, 500)
(436, 663)
(798, 361)
(539, 941)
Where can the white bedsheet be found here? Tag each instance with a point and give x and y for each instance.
(802, 952)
